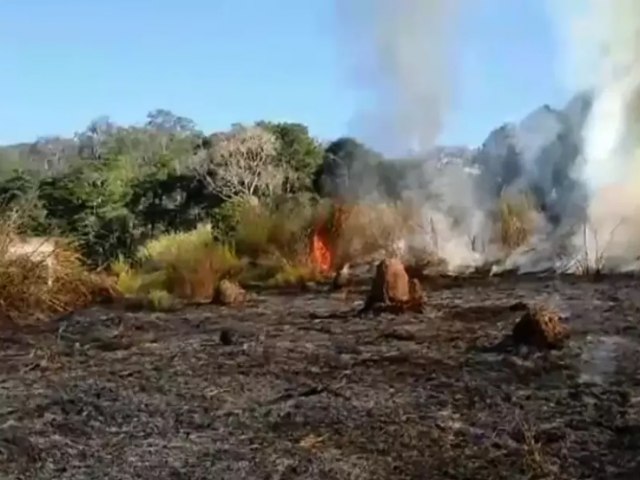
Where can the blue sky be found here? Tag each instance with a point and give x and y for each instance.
(66, 62)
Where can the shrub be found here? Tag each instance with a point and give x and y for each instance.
(251, 237)
(226, 217)
(187, 265)
(281, 230)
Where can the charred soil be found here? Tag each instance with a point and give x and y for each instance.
(297, 386)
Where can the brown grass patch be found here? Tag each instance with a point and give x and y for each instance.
(27, 296)
(516, 220)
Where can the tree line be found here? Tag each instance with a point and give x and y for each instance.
(112, 187)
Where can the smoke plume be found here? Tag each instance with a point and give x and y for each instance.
(400, 54)
(602, 40)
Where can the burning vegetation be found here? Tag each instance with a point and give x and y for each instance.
(261, 211)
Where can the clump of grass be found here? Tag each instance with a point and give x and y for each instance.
(195, 274)
(186, 265)
(132, 281)
(161, 300)
(282, 229)
(368, 229)
(295, 274)
(171, 247)
(515, 220)
(128, 280)
(25, 290)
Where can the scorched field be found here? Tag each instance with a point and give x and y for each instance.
(296, 385)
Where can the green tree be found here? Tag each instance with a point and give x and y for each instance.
(349, 170)
(298, 151)
(89, 202)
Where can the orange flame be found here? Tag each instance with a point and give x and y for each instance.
(321, 255)
(325, 237)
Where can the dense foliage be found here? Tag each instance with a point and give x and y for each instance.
(113, 187)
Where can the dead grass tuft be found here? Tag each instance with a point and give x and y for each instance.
(27, 293)
(374, 229)
(516, 218)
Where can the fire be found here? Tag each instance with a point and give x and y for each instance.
(325, 238)
(321, 254)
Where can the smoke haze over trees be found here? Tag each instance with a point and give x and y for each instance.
(113, 186)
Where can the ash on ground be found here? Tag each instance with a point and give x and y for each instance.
(266, 391)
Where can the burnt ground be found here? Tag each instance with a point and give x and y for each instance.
(306, 391)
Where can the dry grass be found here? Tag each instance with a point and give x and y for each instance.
(295, 274)
(26, 295)
(196, 274)
(270, 245)
(189, 265)
(185, 265)
(369, 229)
(283, 230)
(161, 300)
(515, 220)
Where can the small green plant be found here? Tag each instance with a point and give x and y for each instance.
(295, 275)
(161, 300)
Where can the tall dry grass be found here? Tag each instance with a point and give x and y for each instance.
(369, 230)
(184, 265)
(27, 293)
(516, 216)
(281, 230)
(270, 245)
(277, 239)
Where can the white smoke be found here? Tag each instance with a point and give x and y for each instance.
(602, 46)
(401, 54)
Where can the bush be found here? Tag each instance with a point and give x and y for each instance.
(186, 265)
(367, 229)
(226, 218)
(281, 230)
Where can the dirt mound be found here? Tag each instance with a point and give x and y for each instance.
(390, 283)
(229, 293)
(391, 288)
(540, 326)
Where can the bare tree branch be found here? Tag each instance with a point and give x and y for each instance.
(242, 163)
